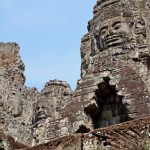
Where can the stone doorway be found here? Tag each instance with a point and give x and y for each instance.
(108, 109)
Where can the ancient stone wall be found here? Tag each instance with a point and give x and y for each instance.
(9, 143)
(16, 100)
(115, 63)
(114, 85)
(54, 97)
(126, 136)
(26, 114)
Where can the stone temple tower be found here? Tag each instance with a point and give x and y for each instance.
(114, 85)
(115, 77)
(115, 60)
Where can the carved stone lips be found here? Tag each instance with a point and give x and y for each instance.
(41, 114)
(112, 39)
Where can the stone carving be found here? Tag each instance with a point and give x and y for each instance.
(120, 30)
(16, 103)
(140, 31)
(113, 32)
(54, 97)
(41, 110)
(114, 85)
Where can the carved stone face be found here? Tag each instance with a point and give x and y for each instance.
(41, 111)
(113, 33)
(139, 27)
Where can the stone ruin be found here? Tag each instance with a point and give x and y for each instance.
(114, 85)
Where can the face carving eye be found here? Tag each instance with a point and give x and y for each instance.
(38, 108)
(140, 23)
(116, 25)
(104, 31)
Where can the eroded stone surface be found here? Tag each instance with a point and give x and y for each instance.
(115, 59)
(26, 114)
(54, 97)
(16, 100)
(130, 135)
(114, 85)
(9, 143)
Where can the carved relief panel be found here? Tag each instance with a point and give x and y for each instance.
(120, 28)
(113, 32)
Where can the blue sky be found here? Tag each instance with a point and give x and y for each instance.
(49, 34)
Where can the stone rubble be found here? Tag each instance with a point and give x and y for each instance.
(130, 135)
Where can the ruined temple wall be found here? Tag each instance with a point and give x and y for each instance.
(49, 122)
(26, 114)
(115, 55)
(130, 135)
(114, 85)
(17, 101)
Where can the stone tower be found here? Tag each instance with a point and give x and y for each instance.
(115, 58)
(26, 114)
(115, 77)
(114, 85)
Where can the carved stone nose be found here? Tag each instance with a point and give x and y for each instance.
(40, 108)
(108, 34)
(111, 31)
